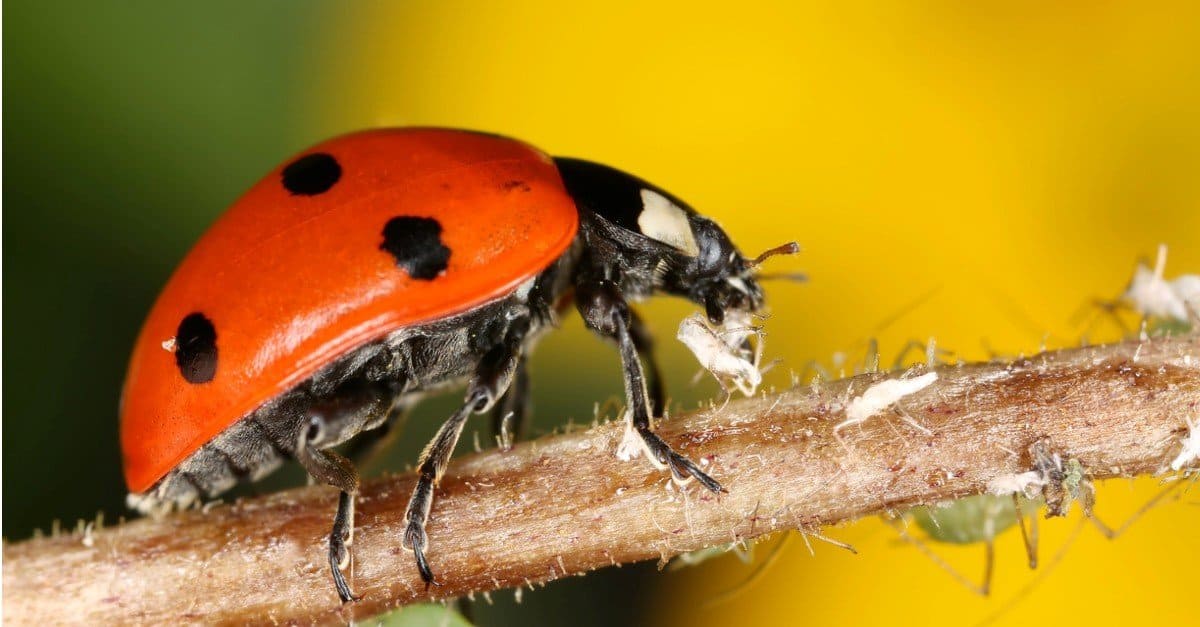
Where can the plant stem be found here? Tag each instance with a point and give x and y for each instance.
(564, 505)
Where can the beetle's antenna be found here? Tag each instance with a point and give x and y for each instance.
(789, 248)
(794, 277)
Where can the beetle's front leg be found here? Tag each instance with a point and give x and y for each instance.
(492, 378)
(643, 341)
(605, 312)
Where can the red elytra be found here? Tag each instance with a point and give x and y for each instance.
(292, 281)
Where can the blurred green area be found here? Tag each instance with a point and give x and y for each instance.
(128, 127)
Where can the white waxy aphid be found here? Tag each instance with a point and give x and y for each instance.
(1191, 447)
(1153, 295)
(720, 350)
(882, 395)
(1027, 484)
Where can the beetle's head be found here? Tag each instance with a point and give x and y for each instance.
(660, 237)
(718, 276)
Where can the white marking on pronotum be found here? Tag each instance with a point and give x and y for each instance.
(1026, 483)
(1191, 447)
(664, 221)
(524, 288)
(1153, 295)
(169, 345)
(882, 395)
(720, 351)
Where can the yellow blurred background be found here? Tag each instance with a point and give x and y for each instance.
(974, 172)
(1011, 159)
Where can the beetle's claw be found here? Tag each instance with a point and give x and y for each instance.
(415, 539)
(339, 580)
(684, 470)
(423, 567)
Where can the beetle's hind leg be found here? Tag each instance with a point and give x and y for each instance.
(492, 378)
(337, 471)
(605, 311)
(326, 424)
(510, 417)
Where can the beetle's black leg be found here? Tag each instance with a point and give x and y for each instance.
(337, 471)
(492, 378)
(635, 390)
(510, 415)
(605, 311)
(643, 341)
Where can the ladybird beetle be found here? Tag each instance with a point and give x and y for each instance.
(383, 264)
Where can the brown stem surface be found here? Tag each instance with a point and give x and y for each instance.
(564, 504)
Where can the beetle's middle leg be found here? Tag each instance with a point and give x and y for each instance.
(492, 378)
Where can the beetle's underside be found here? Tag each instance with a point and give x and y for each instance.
(359, 392)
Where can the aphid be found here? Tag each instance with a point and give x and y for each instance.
(1152, 295)
(745, 553)
(743, 550)
(883, 395)
(380, 265)
(1190, 451)
(1167, 307)
(1054, 483)
(970, 520)
(725, 351)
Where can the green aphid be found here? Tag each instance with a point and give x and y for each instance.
(744, 552)
(1169, 327)
(972, 519)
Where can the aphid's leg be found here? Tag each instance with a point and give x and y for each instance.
(910, 346)
(337, 471)
(989, 566)
(871, 358)
(983, 589)
(643, 341)
(605, 311)
(511, 415)
(814, 369)
(1030, 535)
(1111, 533)
(492, 378)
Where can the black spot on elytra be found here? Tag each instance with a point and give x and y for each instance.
(311, 174)
(196, 348)
(510, 186)
(416, 243)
